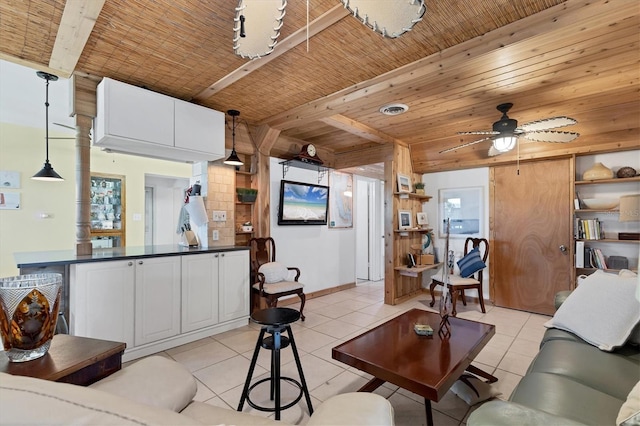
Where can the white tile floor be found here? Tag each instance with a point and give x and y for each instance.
(220, 363)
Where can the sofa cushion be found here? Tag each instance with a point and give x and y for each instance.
(25, 400)
(154, 381)
(204, 413)
(602, 310)
(564, 397)
(589, 366)
(353, 408)
(502, 413)
(629, 413)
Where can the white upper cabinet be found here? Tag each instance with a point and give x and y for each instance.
(198, 128)
(137, 121)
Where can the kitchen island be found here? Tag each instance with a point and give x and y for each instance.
(152, 297)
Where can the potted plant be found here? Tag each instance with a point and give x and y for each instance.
(247, 227)
(419, 186)
(246, 195)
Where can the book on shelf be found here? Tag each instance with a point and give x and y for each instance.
(588, 229)
(596, 258)
(579, 254)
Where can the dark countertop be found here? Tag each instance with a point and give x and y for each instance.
(67, 257)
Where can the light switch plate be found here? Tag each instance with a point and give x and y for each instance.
(219, 215)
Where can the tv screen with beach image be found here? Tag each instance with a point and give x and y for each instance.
(303, 203)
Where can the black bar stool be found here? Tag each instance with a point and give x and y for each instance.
(274, 322)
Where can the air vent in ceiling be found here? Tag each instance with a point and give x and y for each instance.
(394, 109)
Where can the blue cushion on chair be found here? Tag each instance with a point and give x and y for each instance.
(471, 263)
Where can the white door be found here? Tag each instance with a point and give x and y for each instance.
(157, 313)
(102, 300)
(148, 216)
(362, 229)
(369, 229)
(234, 285)
(199, 291)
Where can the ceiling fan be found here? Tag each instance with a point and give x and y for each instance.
(506, 132)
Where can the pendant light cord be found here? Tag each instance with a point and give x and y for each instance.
(46, 115)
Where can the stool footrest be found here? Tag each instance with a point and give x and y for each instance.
(272, 409)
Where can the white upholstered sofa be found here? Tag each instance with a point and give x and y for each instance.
(156, 391)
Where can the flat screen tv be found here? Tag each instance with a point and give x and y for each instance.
(303, 203)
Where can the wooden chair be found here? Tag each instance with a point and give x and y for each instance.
(263, 251)
(457, 284)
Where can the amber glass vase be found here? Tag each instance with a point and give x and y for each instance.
(28, 314)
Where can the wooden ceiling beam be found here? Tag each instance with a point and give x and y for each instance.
(78, 20)
(319, 24)
(351, 126)
(546, 25)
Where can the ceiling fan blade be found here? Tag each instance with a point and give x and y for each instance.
(547, 123)
(480, 132)
(464, 145)
(64, 125)
(551, 136)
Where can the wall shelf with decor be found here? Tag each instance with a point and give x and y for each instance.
(244, 211)
(605, 216)
(322, 170)
(413, 195)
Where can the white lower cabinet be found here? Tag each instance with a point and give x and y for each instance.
(215, 288)
(233, 275)
(102, 300)
(157, 305)
(199, 291)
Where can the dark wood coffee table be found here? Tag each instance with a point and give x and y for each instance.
(427, 366)
(71, 359)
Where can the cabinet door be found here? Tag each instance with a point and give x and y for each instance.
(136, 113)
(199, 129)
(102, 297)
(199, 291)
(157, 305)
(234, 285)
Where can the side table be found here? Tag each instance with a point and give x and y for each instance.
(71, 359)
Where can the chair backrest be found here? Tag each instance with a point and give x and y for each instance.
(262, 250)
(481, 243)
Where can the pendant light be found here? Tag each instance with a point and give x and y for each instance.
(47, 173)
(233, 159)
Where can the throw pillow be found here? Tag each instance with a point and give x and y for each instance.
(274, 272)
(602, 310)
(629, 414)
(473, 390)
(471, 263)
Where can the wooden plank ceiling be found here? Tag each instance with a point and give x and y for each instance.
(549, 57)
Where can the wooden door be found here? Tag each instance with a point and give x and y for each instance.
(531, 220)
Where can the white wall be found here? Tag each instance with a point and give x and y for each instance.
(326, 257)
(455, 179)
(168, 200)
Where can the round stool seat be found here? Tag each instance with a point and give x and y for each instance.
(275, 316)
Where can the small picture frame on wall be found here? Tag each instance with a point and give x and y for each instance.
(404, 183)
(404, 219)
(421, 218)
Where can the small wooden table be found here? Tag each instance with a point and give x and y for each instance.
(71, 359)
(427, 366)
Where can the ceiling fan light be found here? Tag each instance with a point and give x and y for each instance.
(504, 143)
